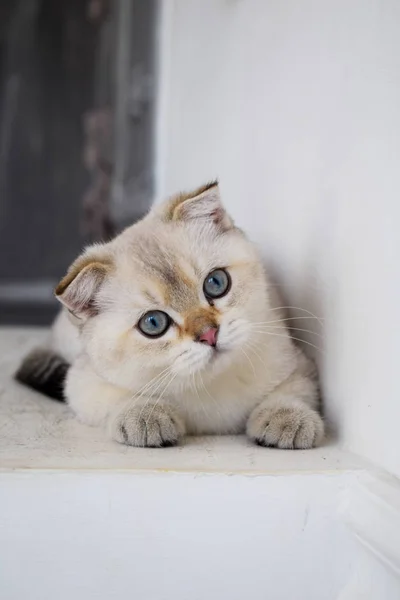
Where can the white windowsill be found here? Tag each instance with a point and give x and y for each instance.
(37, 433)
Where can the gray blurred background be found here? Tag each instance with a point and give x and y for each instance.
(76, 137)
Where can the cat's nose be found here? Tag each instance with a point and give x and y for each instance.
(209, 336)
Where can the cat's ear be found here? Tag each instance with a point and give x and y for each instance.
(203, 204)
(78, 289)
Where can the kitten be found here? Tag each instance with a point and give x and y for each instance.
(170, 329)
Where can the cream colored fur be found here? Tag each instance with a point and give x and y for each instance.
(151, 392)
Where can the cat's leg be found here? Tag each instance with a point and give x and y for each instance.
(288, 418)
(128, 420)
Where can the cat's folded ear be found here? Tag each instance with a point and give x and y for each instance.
(79, 288)
(203, 204)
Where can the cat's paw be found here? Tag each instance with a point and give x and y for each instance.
(149, 426)
(286, 426)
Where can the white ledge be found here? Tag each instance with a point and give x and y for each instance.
(37, 433)
(215, 517)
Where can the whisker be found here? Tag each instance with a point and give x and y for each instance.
(209, 395)
(152, 390)
(159, 398)
(284, 285)
(252, 348)
(248, 358)
(281, 320)
(153, 387)
(293, 338)
(293, 329)
(319, 319)
(199, 399)
(149, 384)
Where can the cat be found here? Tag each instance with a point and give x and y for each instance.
(171, 329)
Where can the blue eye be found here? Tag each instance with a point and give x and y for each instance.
(154, 323)
(217, 284)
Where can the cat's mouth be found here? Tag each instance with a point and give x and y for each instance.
(217, 353)
(212, 356)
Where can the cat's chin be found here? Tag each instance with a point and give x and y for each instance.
(206, 363)
(219, 360)
(206, 360)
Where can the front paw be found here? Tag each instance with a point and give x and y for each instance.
(286, 426)
(149, 426)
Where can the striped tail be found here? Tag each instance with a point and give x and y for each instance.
(44, 371)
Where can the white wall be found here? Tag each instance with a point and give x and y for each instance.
(295, 105)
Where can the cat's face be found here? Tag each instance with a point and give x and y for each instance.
(179, 293)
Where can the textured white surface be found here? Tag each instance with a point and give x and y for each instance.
(38, 433)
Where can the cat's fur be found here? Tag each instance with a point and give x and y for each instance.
(151, 392)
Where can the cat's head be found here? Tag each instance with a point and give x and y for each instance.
(180, 292)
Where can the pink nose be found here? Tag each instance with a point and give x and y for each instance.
(209, 336)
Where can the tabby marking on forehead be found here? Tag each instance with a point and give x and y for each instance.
(176, 287)
(183, 295)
